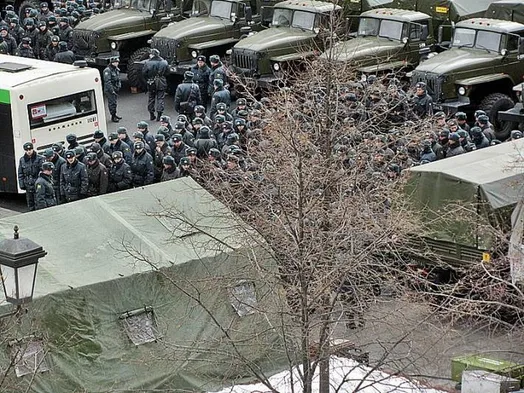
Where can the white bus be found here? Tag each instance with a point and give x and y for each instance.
(42, 102)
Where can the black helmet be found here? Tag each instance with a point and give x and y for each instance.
(177, 137)
(70, 154)
(182, 118)
(214, 59)
(241, 101)
(28, 146)
(139, 145)
(191, 151)
(138, 135)
(113, 136)
(91, 156)
(55, 38)
(221, 106)
(48, 166)
(239, 121)
(160, 138)
(117, 154)
(420, 85)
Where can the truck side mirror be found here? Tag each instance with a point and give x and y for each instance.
(248, 13)
(444, 35)
(424, 33)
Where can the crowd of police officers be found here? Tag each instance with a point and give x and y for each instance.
(43, 34)
(199, 146)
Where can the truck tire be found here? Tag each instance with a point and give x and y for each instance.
(134, 71)
(492, 104)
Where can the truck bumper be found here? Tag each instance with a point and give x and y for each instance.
(515, 114)
(181, 67)
(451, 107)
(102, 60)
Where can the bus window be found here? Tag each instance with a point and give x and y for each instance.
(61, 109)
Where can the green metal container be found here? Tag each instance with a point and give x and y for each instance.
(481, 362)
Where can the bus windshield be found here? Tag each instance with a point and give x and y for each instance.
(61, 109)
(480, 39)
(221, 9)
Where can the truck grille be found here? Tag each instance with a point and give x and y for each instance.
(244, 59)
(167, 48)
(84, 41)
(433, 83)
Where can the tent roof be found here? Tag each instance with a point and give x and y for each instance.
(493, 169)
(84, 239)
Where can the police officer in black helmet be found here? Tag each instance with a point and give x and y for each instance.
(422, 102)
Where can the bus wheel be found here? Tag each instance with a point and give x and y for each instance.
(134, 68)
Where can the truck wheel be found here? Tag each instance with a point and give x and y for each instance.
(134, 71)
(492, 104)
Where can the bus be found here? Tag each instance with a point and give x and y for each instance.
(42, 102)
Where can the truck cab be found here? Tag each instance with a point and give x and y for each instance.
(228, 21)
(479, 70)
(299, 30)
(122, 30)
(386, 40)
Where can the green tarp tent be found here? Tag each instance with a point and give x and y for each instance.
(206, 314)
(507, 10)
(489, 182)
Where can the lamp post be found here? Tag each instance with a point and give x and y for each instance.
(18, 262)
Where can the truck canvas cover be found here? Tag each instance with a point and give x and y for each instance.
(506, 10)
(108, 322)
(457, 196)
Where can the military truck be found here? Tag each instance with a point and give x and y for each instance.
(299, 30)
(481, 67)
(227, 22)
(124, 30)
(459, 200)
(390, 39)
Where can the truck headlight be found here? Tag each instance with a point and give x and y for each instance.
(194, 54)
(276, 66)
(462, 90)
(113, 45)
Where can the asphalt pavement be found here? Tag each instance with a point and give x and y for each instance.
(132, 107)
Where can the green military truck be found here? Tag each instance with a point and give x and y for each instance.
(227, 22)
(299, 30)
(460, 200)
(124, 30)
(389, 39)
(481, 67)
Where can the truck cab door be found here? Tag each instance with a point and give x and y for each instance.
(416, 34)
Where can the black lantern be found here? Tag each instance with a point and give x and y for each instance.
(18, 262)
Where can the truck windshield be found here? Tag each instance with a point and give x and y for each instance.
(221, 9)
(282, 17)
(368, 26)
(304, 20)
(480, 39)
(391, 29)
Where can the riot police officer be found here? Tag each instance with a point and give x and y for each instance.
(112, 85)
(120, 175)
(202, 72)
(142, 166)
(422, 102)
(28, 169)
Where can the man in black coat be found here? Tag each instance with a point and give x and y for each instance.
(29, 167)
(44, 190)
(154, 72)
(73, 179)
(187, 95)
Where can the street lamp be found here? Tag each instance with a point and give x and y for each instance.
(18, 262)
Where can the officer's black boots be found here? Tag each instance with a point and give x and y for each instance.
(152, 116)
(158, 116)
(115, 119)
(118, 117)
